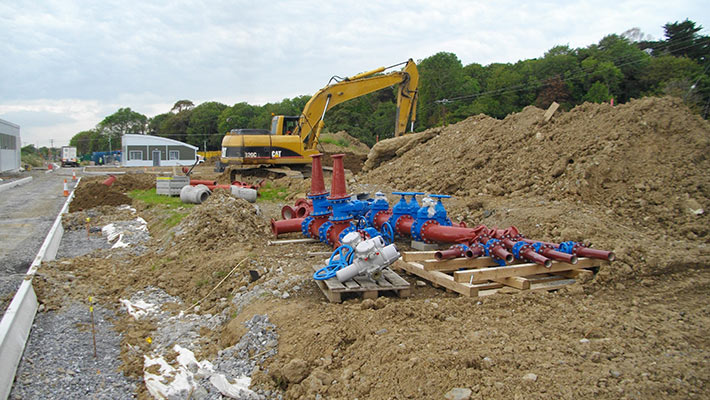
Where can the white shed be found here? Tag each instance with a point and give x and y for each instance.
(147, 151)
(10, 145)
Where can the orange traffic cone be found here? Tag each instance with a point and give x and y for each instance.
(66, 191)
(73, 175)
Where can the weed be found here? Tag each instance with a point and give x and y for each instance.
(151, 198)
(268, 192)
(338, 142)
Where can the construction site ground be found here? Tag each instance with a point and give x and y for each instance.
(634, 179)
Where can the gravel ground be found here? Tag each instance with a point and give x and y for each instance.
(75, 243)
(259, 343)
(58, 361)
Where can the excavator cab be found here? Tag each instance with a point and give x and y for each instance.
(284, 124)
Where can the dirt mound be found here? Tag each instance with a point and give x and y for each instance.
(341, 141)
(93, 194)
(222, 218)
(645, 161)
(351, 161)
(128, 182)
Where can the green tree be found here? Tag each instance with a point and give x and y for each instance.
(441, 76)
(598, 93)
(123, 121)
(182, 105)
(203, 125)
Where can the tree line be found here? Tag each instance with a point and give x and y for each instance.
(619, 67)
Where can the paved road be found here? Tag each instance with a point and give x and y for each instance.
(26, 215)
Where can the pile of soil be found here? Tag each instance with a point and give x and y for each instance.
(344, 143)
(222, 219)
(127, 182)
(646, 160)
(93, 194)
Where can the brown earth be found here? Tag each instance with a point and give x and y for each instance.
(638, 177)
(92, 193)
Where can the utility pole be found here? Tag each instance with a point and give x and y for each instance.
(109, 142)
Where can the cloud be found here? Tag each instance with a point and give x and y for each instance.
(90, 58)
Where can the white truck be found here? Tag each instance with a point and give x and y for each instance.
(69, 157)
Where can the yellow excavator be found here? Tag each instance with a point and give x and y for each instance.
(293, 139)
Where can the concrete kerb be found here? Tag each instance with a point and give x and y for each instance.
(12, 184)
(17, 321)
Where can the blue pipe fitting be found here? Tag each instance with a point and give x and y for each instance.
(320, 204)
(305, 226)
(379, 204)
(568, 247)
(517, 248)
(323, 231)
(440, 216)
(537, 246)
(487, 248)
(342, 209)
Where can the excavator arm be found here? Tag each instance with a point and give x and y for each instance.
(311, 122)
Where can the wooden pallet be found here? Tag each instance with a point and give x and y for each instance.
(362, 286)
(482, 276)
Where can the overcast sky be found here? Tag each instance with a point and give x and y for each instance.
(67, 64)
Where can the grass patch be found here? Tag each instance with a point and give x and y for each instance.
(338, 142)
(268, 192)
(151, 198)
(174, 218)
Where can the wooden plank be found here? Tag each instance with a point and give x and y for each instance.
(552, 285)
(333, 297)
(578, 273)
(551, 110)
(370, 294)
(351, 285)
(519, 270)
(517, 282)
(417, 255)
(395, 279)
(290, 241)
(366, 283)
(438, 278)
(457, 263)
(384, 284)
(487, 285)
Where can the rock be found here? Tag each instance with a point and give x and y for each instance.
(253, 275)
(596, 357)
(381, 331)
(295, 371)
(367, 304)
(420, 283)
(584, 340)
(458, 394)
(285, 295)
(530, 377)
(615, 373)
(487, 362)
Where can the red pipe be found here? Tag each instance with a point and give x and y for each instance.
(582, 251)
(335, 230)
(454, 251)
(287, 212)
(302, 211)
(317, 182)
(195, 182)
(558, 255)
(528, 253)
(286, 226)
(381, 217)
(316, 224)
(337, 189)
(433, 232)
(403, 226)
(497, 250)
(594, 253)
(109, 181)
